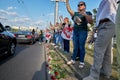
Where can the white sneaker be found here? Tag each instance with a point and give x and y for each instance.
(56, 46)
(81, 65)
(52, 44)
(71, 62)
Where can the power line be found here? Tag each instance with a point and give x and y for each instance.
(21, 2)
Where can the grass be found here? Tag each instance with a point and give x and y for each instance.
(58, 66)
(89, 59)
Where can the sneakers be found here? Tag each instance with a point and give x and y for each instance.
(56, 46)
(81, 65)
(53, 44)
(89, 78)
(71, 62)
(39, 42)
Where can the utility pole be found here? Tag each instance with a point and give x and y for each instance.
(56, 9)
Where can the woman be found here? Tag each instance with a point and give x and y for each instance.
(66, 34)
(81, 18)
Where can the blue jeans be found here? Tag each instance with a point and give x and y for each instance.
(56, 38)
(66, 45)
(60, 40)
(79, 40)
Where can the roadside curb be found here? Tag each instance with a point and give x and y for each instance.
(45, 51)
(77, 74)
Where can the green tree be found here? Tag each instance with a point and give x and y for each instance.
(94, 19)
(94, 15)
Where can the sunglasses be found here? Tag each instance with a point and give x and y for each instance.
(80, 5)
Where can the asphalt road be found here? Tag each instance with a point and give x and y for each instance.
(27, 64)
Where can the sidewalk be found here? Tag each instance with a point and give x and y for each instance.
(81, 73)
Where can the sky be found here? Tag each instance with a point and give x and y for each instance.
(37, 13)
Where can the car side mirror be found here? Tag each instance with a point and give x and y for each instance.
(8, 28)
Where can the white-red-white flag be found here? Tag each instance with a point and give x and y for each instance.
(67, 32)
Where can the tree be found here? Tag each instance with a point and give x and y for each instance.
(94, 19)
(94, 15)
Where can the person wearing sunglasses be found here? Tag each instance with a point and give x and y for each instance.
(81, 18)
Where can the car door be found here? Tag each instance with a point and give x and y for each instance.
(4, 41)
(1, 39)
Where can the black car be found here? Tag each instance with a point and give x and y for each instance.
(7, 41)
(25, 37)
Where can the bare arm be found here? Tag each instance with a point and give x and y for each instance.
(68, 8)
(89, 18)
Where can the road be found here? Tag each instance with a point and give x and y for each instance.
(27, 64)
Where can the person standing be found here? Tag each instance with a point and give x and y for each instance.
(81, 18)
(118, 38)
(40, 36)
(105, 24)
(47, 36)
(33, 31)
(66, 34)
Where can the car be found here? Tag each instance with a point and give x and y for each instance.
(25, 37)
(8, 41)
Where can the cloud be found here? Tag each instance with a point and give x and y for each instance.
(51, 14)
(12, 18)
(3, 12)
(21, 20)
(8, 13)
(11, 8)
(3, 18)
(38, 23)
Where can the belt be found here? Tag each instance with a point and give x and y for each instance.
(118, 2)
(104, 20)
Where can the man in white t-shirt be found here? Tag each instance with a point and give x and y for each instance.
(105, 22)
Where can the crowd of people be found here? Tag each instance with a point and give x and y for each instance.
(106, 25)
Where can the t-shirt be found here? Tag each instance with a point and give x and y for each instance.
(67, 32)
(83, 24)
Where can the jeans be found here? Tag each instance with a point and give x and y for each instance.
(60, 40)
(79, 39)
(66, 45)
(56, 38)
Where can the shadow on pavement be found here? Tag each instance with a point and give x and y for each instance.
(42, 74)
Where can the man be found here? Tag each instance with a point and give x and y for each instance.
(105, 22)
(118, 37)
(81, 18)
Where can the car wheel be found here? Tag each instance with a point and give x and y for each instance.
(12, 48)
